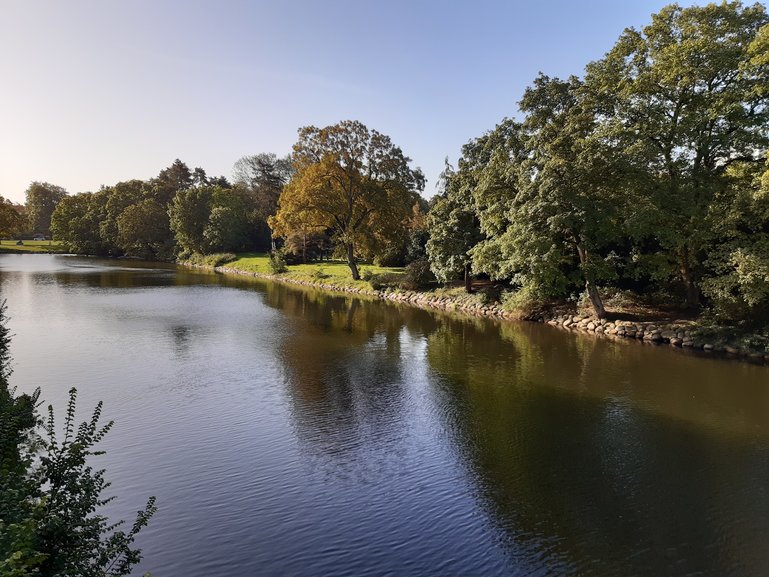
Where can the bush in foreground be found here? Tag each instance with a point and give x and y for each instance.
(50, 495)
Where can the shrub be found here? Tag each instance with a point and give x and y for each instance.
(417, 275)
(278, 262)
(384, 280)
(50, 496)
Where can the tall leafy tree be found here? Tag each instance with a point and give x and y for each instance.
(189, 213)
(42, 198)
(115, 200)
(143, 231)
(452, 223)
(264, 176)
(76, 221)
(569, 199)
(352, 181)
(11, 221)
(690, 88)
(176, 177)
(736, 277)
(208, 219)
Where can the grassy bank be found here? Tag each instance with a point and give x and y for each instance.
(633, 318)
(41, 246)
(334, 273)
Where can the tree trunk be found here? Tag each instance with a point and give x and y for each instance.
(304, 248)
(351, 262)
(592, 290)
(595, 299)
(692, 290)
(468, 279)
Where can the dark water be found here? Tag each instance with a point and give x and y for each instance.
(289, 432)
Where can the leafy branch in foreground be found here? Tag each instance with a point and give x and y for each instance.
(50, 495)
(75, 538)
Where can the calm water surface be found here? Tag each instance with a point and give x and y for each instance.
(289, 432)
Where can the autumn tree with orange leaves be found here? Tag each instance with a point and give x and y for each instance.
(350, 181)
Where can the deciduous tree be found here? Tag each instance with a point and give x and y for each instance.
(352, 181)
(11, 222)
(691, 90)
(42, 199)
(143, 231)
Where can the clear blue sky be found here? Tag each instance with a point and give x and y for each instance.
(97, 91)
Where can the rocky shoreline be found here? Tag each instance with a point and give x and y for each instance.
(681, 334)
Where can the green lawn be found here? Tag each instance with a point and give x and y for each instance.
(30, 246)
(331, 272)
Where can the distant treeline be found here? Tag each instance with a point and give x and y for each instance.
(647, 174)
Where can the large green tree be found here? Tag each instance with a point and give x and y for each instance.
(209, 219)
(114, 200)
(42, 198)
(176, 177)
(690, 90)
(452, 222)
(143, 231)
(568, 203)
(76, 221)
(11, 222)
(352, 181)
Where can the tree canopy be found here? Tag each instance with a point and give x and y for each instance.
(645, 173)
(351, 181)
(11, 221)
(42, 198)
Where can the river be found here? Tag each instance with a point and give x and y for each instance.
(291, 432)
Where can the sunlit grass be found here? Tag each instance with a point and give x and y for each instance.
(31, 246)
(330, 272)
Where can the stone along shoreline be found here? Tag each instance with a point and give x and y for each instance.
(681, 334)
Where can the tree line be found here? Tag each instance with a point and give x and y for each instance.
(648, 173)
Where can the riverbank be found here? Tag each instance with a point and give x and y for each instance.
(30, 246)
(685, 334)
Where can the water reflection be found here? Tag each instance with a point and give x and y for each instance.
(601, 487)
(295, 432)
(342, 373)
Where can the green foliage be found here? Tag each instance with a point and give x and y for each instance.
(75, 222)
(42, 199)
(643, 173)
(452, 222)
(320, 274)
(277, 262)
(417, 275)
(686, 97)
(50, 494)
(353, 182)
(385, 280)
(11, 221)
(143, 231)
(74, 539)
(264, 176)
(189, 212)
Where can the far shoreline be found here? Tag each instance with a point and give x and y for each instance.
(682, 334)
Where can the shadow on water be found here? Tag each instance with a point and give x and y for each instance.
(589, 455)
(573, 460)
